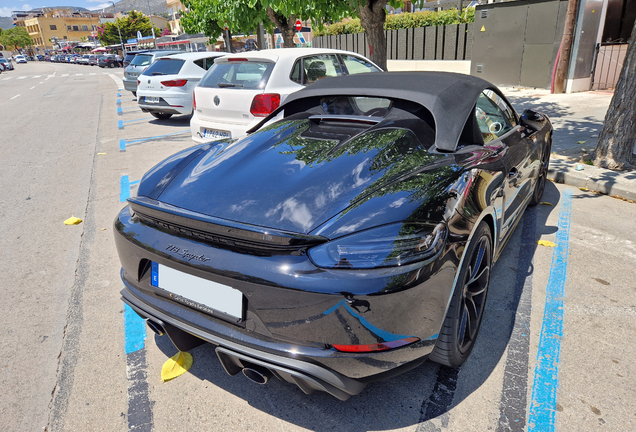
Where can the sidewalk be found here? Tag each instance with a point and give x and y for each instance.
(577, 119)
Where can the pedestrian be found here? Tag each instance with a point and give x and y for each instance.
(118, 60)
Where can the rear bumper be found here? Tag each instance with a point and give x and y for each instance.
(130, 84)
(167, 104)
(235, 357)
(292, 312)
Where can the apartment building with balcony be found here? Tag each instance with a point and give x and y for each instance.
(176, 7)
(54, 27)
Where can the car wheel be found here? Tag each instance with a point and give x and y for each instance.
(543, 174)
(134, 94)
(111, 65)
(461, 325)
(161, 116)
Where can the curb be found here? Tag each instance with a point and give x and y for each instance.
(608, 182)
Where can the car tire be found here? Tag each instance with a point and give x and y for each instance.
(161, 116)
(543, 174)
(465, 312)
(111, 65)
(134, 94)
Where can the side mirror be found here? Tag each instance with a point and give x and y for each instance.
(532, 120)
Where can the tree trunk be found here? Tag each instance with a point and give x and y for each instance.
(617, 139)
(566, 47)
(372, 18)
(287, 26)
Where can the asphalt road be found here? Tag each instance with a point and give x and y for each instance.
(555, 351)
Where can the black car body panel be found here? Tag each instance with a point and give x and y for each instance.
(268, 216)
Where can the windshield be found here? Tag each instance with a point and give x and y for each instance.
(238, 74)
(141, 60)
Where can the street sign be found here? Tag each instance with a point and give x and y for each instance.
(299, 25)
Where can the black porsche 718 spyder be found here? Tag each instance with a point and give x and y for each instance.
(344, 243)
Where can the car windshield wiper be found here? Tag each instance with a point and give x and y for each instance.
(159, 73)
(224, 85)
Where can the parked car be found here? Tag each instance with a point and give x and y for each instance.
(107, 60)
(166, 87)
(20, 59)
(139, 64)
(6, 64)
(92, 60)
(242, 88)
(131, 55)
(345, 243)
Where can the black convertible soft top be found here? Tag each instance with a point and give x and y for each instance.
(450, 97)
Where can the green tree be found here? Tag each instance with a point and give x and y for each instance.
(134, 22)
(16, 37)
(243, 16)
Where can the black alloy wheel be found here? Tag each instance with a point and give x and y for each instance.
(461, 325)
(161, 116)
(543, 173)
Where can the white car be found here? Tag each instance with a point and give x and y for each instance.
(20, 59)
(166, 87)
(242, 88)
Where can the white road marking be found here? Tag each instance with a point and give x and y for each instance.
(65, 75)
(92, 73)
(14, 97)
(32, 88)
(50, 76)
(22, 77)
(118, 81)
(4, 79)
(78, 74)
(37, 76)
(42, 82)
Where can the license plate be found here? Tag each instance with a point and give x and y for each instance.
(212, 133)
(151, 99)
(198, 293)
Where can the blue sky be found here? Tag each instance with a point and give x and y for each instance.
(6, 6)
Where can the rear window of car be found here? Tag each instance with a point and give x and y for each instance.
(142, 60)
(238, 74)
(165, 67)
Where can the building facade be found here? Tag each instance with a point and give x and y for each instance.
(176, 7)
(52, 28)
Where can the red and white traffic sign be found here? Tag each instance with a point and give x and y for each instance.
(299, 25)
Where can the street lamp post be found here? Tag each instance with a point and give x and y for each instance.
(123, 49)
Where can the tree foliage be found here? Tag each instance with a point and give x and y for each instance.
(243, 16)
(132, 23)
(402, 21)
(16, 37)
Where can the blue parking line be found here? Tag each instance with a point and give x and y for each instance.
(545, 385)
(134, 330)
(124, 187)
(123, 143)
(120, 123)
(120, 110)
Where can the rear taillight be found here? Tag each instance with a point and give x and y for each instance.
(237, 59)
(174, 83)
(138, 82)
(194, 101)
(264, 104)
(383, 346)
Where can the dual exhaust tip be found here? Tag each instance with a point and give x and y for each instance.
(253, 372)
(257, 374)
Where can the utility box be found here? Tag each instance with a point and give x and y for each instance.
(516, 43)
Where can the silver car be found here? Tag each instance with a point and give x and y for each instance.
(139, 64)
